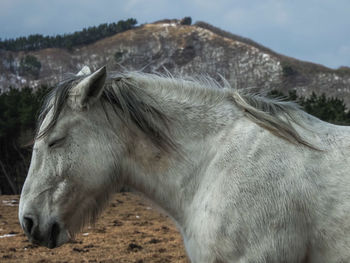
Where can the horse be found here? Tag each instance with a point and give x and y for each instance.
(246, 178)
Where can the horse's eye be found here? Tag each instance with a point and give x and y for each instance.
(55, 142)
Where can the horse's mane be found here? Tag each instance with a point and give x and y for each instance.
(133, 103)
(274, 114)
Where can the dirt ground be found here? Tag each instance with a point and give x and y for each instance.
(130, 230)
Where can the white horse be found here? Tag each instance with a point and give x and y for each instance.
(245, 178)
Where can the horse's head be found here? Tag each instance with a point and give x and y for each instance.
(72, 167)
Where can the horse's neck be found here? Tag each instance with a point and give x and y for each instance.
(169, 179)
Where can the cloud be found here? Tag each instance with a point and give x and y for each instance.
(313, 30)
(272, 13)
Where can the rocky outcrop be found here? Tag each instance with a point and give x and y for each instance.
(182, 50)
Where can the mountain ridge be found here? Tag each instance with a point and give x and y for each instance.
(183, 50)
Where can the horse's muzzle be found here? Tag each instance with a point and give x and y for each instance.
(48, 237)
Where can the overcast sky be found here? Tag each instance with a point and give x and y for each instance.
(311, 30)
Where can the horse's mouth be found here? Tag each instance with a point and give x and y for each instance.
(53, 235)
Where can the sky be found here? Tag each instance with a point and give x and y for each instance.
(312, 30)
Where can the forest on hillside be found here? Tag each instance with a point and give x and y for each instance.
(19, 110)
(68, 41)
(18, 113)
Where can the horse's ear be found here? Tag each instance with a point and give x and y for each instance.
(89, 89)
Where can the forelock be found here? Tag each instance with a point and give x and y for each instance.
(54, 101)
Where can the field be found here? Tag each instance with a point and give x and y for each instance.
(130, 230)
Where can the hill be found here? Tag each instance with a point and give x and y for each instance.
(181, 49)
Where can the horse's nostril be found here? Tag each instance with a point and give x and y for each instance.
(28, 224)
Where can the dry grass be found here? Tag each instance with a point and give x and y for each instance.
(128, 231)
